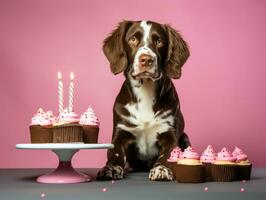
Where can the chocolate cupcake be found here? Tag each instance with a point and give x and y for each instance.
(67, 128)
(189, 169)
(243, 165)
(41, 127)
(173, 159)
(223, 169)
(90, 125)
(67, 133)
(207, 158)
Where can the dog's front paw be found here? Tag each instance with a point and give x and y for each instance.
(161, 173)
(110, 172)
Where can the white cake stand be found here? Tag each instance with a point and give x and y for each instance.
(64, 173)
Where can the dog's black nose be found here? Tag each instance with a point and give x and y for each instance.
(145, 60)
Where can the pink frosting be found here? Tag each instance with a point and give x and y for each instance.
(239, 155)
(68, 116)
(225, 155)
(189, 153)
(208, 155)
(89, 118)
(43, 118)
(174, 154)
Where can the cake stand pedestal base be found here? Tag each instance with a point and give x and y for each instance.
(64, 173)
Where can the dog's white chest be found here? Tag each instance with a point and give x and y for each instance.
(147, 124)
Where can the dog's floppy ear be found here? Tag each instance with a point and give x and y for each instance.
(113, 48)
(177, 55)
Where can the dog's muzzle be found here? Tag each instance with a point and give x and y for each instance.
(145, 65)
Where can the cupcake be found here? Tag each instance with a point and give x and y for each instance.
(224, 167)
(90, 125)
(41, 127)
(243, 165)
(189, 169)
(172, 160)
(207, 158)
(67, 128)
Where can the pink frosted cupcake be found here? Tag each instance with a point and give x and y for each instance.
(243, 164)
(90, 124)
(41, 127)
(173, 159)
(189, 167)
(67, 117)
(207, 158)
(67, 128)
(224, 167)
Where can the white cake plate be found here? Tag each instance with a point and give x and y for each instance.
(64, 173)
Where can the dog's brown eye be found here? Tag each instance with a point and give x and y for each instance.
(133, 40)
(159, 43)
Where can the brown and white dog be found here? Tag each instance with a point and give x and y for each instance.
(148, 122)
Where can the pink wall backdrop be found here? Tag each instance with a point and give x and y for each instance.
(222, 90)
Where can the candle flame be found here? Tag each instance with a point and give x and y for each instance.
(59, 75)
(71, 76)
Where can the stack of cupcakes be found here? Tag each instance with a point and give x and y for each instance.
(68, 127)
(225, 166)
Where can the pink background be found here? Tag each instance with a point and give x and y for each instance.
(222, 90)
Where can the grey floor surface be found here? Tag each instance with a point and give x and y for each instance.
(20, 184)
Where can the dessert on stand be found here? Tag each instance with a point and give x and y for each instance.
(65, 135)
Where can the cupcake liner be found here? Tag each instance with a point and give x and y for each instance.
(67, 133)
(208, 174)
(90, 134)
(243, 172)
(41, 134)
(171, 165)
(223, 173)
(190, 173)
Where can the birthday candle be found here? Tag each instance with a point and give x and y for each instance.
(60, 93)
(71, 92)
